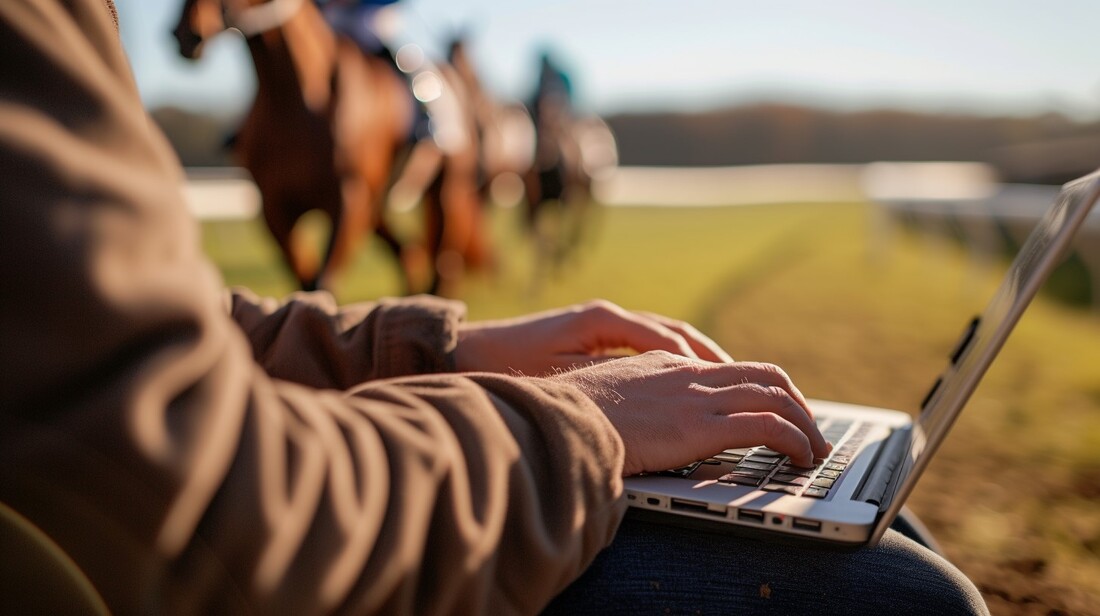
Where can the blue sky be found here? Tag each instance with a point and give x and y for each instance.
(1008, 57)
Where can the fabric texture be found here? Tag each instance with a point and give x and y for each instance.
(276, 457)
(659, 569)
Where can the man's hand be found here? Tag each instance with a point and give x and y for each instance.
(551, 341)
(671, 410)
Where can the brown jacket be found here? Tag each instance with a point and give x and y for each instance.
(275, 458)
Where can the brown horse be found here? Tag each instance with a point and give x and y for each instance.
(456, 234)
(505, 130)
(327, 131)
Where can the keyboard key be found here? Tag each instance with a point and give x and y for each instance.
(816, 492)
(829, 473)
(797, 470)
(833, 466)
(742, 478)
(791, 479)
(782, 487)
(823, 482)
(739, 452)
(841, 459)
(756, 466)
(767, 451)
(728, 457)
(762, 459)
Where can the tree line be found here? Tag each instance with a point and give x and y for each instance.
(1048, 148)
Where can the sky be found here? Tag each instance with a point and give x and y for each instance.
(1007, 57)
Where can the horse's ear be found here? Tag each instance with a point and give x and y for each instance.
(456, 43)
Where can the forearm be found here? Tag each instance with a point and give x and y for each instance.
(311, 341)
(424, 495)
(139, 433)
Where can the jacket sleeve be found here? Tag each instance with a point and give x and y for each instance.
(138, 431)
(309, 340)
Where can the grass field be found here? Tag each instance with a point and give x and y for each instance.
(855, 310)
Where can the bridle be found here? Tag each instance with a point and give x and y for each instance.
(256, 19)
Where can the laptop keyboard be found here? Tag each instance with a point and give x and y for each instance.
(769, 470)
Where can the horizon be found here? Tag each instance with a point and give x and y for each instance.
(943, 57)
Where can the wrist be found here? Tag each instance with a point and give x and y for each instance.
(469, 352)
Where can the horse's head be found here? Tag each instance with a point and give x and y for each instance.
(199, 20)
(202, 19)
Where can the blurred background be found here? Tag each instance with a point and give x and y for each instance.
(833, 187)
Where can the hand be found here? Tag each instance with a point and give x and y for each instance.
(555, 340)
(671, 410)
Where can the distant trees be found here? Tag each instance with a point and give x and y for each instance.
(1048, 148)
(200, 140)
(777, 133)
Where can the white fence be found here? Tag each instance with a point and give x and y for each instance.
(965, 195)
(965, 199)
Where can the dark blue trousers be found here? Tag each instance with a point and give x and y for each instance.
(660, 569)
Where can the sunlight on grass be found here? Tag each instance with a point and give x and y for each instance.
(855, 309)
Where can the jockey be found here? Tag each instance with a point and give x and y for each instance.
(554, 88)
(551, 108)
(370, 23)
(375, 26)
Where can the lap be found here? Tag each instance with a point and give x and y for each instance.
(661, 569)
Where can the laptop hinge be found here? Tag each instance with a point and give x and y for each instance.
(878, 481)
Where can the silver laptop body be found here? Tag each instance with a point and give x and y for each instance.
(852, 496)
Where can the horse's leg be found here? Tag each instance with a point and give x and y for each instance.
(535, 224)
(280, 223)
(585, 216)
(400, 256)
(351, 218)
(409, 258)
(533, 191)
(476, 246)
(434, 231)
(460, 217)
(572, 210)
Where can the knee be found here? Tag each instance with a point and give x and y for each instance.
(914, 580)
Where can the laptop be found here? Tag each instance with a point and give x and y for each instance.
(851, 497)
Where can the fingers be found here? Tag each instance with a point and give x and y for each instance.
(647, 331)
(726, 375)
(729, 389)
(756, 393)
(607, 326)
(669, 408)
(757, 400)
(703, 346)
(768, 429)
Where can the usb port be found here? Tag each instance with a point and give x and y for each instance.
(679, 504)
(750, 516)
(810, 525)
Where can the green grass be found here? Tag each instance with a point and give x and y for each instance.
(856, 310)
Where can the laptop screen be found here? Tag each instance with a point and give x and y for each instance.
(984, 336)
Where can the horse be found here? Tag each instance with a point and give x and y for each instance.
(571, 152)
(456, 232)
(329, 130)
(506, 133)
(551, 167)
